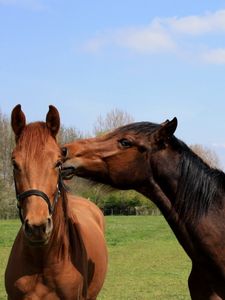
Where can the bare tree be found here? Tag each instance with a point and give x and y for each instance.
(68, 134)
(207, 155)
(113, 119)
(6, 146)
(7, 196)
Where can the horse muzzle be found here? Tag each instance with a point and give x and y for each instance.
(68, 172)
(38, 235)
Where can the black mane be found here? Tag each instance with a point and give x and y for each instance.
(137, 128)
(199, 187)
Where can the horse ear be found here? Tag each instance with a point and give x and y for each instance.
(18, 120)
(53, 120)
(166, 130)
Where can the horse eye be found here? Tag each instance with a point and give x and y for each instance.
(64, 151)
(15, 165)
(125, 143)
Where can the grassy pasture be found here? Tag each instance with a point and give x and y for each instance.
(145, 260)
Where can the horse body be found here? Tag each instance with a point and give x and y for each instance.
(147, 157)
(60, 250)
(49, 272)
(28, 277)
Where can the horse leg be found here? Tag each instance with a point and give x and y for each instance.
(199, 287)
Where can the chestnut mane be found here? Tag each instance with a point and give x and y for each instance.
(33, 138)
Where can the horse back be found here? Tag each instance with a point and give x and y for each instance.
(86, 210)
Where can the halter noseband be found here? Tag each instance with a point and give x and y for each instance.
(34, 192)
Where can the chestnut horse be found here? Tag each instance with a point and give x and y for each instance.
(148, 158)
(60, 250)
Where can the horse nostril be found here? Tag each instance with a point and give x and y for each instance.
(48, 226)
(28, 228)
(43, 228)
(38, 232)
(64, 152)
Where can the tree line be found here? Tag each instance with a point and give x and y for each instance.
(110, 201)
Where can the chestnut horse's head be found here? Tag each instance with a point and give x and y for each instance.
(36, 163)
(120, 158)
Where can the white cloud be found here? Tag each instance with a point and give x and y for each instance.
(169, 35)
(198, 25)
(214, 56)
(219, 145)
(92, 45)
(142, 40)
(28, 4)
(145, 40)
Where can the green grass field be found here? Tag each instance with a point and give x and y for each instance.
(145, 260)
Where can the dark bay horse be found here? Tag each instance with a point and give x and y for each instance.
(60, 250)
(148, 157)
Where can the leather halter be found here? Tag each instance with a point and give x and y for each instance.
(34, 192)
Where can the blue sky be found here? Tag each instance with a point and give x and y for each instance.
(153, 59)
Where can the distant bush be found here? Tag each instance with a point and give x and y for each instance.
(8, 208)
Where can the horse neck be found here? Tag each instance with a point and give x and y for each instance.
(66, 242)
(188, 192)
(161, 189)
(59, 241)
(162, 185)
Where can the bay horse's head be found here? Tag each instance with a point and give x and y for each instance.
(36, 161)
(120, 158)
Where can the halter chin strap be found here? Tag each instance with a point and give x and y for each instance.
(33, 192)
